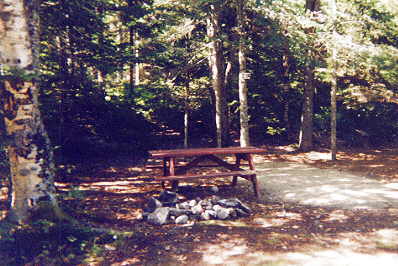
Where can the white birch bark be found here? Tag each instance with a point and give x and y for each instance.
(243, 90)
(30, 155)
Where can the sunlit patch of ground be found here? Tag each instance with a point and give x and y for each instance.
(111, 196)
(375, 163)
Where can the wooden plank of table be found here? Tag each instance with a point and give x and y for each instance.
(204, 151)
(243, 173)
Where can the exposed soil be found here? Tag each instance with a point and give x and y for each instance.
(278, 233)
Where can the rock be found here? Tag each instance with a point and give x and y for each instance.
(208, 214)
(182, 219)
(229, 203)
(209, 207)
(178, 212)
(205, 216)
(244, 207)
(168, 197)
(212, 213)
(159, 216)
(205, 202)
(234, 203)
(233, 214)
(216, 207)
(183, 205)
(241, 213)
(197, 209)
(152, 204)
(214, 199)
(222, 213)
(192, 203)
(214, 189)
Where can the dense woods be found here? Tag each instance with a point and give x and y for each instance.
(120, 77)
(113, 73)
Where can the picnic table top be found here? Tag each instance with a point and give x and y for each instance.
(204, 151)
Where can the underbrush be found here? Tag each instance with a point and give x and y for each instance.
(48, 243)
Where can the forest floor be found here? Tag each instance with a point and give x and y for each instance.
(282, 230)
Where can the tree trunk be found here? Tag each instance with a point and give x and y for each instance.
(243, 90)
(217, 69)
(286, 91)
(29, 151)
(134, 66)
(186, 116)
(306, 131)
(286, 107)
(333, 91)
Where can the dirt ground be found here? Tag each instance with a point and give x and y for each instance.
(277, 233)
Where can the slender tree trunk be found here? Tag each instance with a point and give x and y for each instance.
(333, 120)
(30, 154)
(286, 93)
(134, 65)
(186, 117)
(137, 76)
(286, 108)
(306, 131)
(333, 91)
(243, 90)
(217, 69)
(99, 73)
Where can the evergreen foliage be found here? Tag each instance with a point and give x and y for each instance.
(91, 105)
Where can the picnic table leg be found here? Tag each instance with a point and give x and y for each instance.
(254, 176)
(238, 158)
(166, 171)
(174, 183)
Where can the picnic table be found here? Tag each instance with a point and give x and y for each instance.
(174, 172)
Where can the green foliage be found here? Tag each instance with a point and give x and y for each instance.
(48, 243)
(17, 73)
(83, 126)
(275, 131)
(322, 120)
(88, 52)
(354, 124)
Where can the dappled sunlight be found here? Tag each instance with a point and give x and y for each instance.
(337, 215)
(299, 183)
(227, 223)
(278, 219)
(338, 257)
(378, 163)
(225, 251)
(310, 231)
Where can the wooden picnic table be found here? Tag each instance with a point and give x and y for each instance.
(174, 172)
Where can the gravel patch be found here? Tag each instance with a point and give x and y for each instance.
(306, 185)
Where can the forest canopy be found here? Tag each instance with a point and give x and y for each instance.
(114, 73)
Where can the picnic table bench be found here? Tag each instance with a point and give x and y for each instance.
(174, 172)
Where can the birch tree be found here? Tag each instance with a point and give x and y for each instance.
(217, 70)
(243, 105)
(333, 90)
(29, 150)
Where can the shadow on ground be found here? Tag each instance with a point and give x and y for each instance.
(278, 233)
